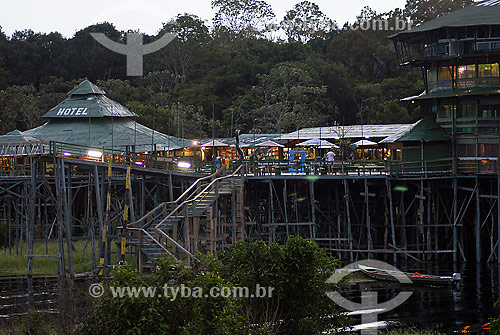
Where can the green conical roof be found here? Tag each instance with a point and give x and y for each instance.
(86, 88)
(88, 101)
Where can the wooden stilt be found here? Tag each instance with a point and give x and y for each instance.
(478, 223)
(348, 214)
(391, 217)
(313, 209)
(455, 217)
(67, 215)
(31, 224)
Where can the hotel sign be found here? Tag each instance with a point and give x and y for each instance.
(72, 111)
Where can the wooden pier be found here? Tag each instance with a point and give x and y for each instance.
(420, 211)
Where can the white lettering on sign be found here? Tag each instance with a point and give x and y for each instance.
(72, 111)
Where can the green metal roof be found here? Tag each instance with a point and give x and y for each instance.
(85, 88)
(427, 130)
(16, 136)
(88, 101)
(481, 13)
(104, 133)
(458, 92)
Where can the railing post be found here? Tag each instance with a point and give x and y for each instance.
(187, 237)
(139, 254)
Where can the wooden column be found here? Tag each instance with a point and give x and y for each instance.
(348, 214)
(391, 217)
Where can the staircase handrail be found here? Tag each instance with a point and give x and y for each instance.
(143, 231)
(200, 193)
(184, 194)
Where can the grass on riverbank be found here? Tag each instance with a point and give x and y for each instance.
(13, 264)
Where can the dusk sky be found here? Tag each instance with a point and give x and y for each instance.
(67, 17)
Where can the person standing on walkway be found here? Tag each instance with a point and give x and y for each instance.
(330, 158)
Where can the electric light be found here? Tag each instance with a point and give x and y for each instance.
(184, 165)
(94, 153)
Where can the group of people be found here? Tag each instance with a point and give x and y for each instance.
(221, 162)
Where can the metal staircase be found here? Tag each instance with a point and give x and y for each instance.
(194, 222)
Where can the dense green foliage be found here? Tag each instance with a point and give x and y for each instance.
(296, 270)
(243, 70)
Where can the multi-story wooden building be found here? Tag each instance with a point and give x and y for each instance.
(459, 54)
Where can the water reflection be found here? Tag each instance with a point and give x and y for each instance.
(19, 294)
(448, 309)
(451, 310)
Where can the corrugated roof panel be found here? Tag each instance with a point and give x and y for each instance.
(355, 131)
(104, 133)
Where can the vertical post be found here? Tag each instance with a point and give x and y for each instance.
(170, 187)
(391, 217)
(313, 209)
(139, 252)
(478, 223)
(67, 222)
(421, 209)
(436, 220)
(9, 218)
(429, 223)
(102, 245)
(368, 223)
(271, 212)
(128, 200)
(498, 221)
(348, 213)
(131, 199)
(143, 195)
(31, 228)
(187, 237)
(455, 213)
(285, 198)
(60, 217)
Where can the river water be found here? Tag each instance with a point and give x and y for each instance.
(450, 310)
(463, 310)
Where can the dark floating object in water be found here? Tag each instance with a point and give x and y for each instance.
(415, 277)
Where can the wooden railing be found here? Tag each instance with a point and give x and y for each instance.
(163, 209)
(197, 194)
(145, 160)
(314, 167)
(12, 166)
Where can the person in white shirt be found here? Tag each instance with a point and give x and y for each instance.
(330, 158)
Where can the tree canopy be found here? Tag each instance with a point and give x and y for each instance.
(231, 73)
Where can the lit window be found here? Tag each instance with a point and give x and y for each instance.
(489, 70)
(488, 111)
(466, 71)
(445, 73)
